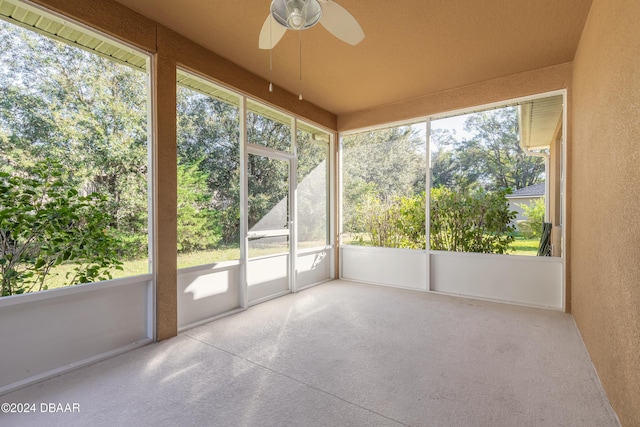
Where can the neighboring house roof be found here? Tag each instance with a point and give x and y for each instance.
(536, 190)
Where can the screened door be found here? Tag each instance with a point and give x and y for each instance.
(269, 227)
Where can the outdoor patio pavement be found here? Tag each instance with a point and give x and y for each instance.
(340, 354)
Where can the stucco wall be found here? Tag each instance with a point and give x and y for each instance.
(496, 90)
(605, 251)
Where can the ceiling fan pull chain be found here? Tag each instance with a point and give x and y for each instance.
(300, 82)
(270, 59)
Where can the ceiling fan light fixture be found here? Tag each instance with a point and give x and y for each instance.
(296, 14)
(296, 20)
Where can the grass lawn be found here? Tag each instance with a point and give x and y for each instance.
(208, 257)
(57, 276)
(522, 246)
(57, 279)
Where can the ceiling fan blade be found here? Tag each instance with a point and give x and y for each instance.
(271, 33)
(339, 22)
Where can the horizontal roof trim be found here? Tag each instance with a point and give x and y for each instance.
(539, 120)
(50, 25)
(206, 88)
(270, 113)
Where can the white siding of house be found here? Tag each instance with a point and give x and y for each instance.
(514, 205)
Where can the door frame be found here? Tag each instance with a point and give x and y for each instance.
(290, 158)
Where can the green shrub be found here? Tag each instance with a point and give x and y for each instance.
(380, 220)
(531, 228)
(411, 221)
(43, 223)
(132, 246)
(471, 221)
(397, 222)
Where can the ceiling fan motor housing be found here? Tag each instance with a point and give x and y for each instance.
(296, 14)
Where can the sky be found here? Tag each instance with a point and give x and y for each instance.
(455, 123)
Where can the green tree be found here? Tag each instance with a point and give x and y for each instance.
(84, 111)
(268, 183)
(197, 223)
(445, 168)
(268, 187)
(382, 164)
(208, 134)
(488, 156)
(44, 223)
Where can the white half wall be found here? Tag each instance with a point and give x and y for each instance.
(207, 292)
(525, 280)
(45, 333)
(402, 268)
(267, 277)
(313, 267)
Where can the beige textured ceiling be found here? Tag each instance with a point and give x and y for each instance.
(411, 48)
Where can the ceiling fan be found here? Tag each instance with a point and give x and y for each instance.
(303, 14)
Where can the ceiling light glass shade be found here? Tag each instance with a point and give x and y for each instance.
(296, 14)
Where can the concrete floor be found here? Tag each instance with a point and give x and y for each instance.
(343, 354)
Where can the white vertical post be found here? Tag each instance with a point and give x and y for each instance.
(563, 204)
(244, 204)
(428, 203)
(332, 212)
(152, 166)
(293, 210)
(339, 203)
